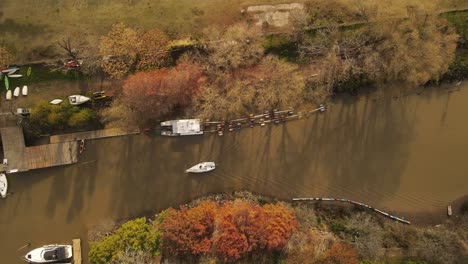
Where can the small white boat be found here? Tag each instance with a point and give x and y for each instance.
(8, 95)
(15, 75)
(16, 92)
(10, 70)
(78, 99)
(24, 91)
(50, 254)
(202, 167)
(3, 184)
(56, 101)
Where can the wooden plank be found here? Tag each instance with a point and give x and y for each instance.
(77, 251)
(104, 133)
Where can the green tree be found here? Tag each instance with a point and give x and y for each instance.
(135, 235)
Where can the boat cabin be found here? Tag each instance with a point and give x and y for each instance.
(183, 127)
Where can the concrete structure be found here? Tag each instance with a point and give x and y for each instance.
(22, 158)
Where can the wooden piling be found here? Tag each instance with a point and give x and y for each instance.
(77, 251)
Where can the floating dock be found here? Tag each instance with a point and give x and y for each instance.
(18, 157)
(76, 243)
(104, 133)
(355, 203)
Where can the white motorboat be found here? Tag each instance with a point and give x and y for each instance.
(50, 254)
(56, 101)
(24, 91)
(202, 167)
(3, 184)
(78, 99)
(16, 92)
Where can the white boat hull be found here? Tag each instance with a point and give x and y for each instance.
(202, 167)
(56, 101)
(8, 95)
(15, 75)
(50, 254)
(10, 71)
(3, 185)
(16, 92)
(24, 91)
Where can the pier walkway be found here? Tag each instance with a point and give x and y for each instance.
(104, 133)
(22, 158)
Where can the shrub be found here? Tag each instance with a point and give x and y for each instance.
(135, 235)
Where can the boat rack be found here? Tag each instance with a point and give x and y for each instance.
(275, 117)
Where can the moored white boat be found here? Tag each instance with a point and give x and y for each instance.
(202, 167)
(78, 99)
(3, 184)
(50, 254)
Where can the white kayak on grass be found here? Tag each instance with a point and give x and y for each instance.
(3, 185)
(15, 75)
(24, 91)
(78, 99)
(8, 95)
(50, 254)
(10, 71)
(202, 167)
(16, 92)
(56, 101)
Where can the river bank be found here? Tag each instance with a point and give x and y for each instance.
(370, 148)
(316, 226)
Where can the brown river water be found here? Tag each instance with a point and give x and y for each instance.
(405, 155)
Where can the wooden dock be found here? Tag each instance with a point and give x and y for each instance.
(22, 158)
(77, 251)
(104, 133)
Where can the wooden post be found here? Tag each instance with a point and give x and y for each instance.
(77, 251)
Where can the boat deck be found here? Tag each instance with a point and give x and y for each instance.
(22, 158)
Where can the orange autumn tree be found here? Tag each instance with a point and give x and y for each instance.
(241, 229)
(340, 253)
(244, 227)
(189, 231)
(156, 93)
(153, 51)
(281, 223)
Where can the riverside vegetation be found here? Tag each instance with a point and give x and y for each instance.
(246, 228)
(225, 72)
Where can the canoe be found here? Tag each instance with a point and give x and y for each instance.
(3, 185)
(15, 75)
(56, 101)
(50, 254)
(78, 99)
(7, 83)
(28, 73)
(10, 71)
(8, 95)
(24, 91)
(16, 92)
(202, 167)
